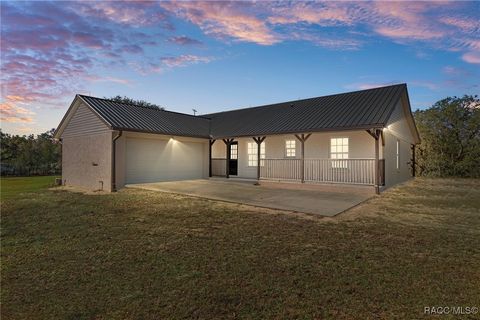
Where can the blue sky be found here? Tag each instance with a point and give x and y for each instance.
(214, 56)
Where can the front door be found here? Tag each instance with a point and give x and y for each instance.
(233, 164)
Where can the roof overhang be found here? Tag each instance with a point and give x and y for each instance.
(410, 118)
(322, 130)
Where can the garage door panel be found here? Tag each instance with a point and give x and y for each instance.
(152, 160)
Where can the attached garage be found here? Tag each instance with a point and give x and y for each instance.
(151, 159)
(109, 144)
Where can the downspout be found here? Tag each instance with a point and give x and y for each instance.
(413, 161)
(113, 177)
(62, 182)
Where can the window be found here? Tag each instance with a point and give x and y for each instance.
(234, 151)
(290, 148)
(398, 154)
(339, 150)
(252, 153)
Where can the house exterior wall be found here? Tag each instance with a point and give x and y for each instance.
(398, 125)
(120, 160)
(361, 145)
(398, 129)
(170, 161)
(392, 174)
(84, 122)
(86, 151)
(86, 161)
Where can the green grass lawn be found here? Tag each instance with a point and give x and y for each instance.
(147, 255)
(14, 187)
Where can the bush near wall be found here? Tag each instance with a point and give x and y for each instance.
(450, 133)
(30, 155)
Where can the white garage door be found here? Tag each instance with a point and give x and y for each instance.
(152, 160)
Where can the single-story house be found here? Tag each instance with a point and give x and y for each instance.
(364, 137)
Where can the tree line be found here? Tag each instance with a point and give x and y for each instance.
(450, 133)
(450, 147)
(30, 155)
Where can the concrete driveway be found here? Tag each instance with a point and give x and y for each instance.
(325, 202)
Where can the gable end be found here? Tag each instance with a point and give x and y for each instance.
(81, 120)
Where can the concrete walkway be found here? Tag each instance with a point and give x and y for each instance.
(327, 203)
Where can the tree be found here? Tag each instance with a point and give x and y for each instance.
(140, 103)
(30, 155)
(450, 133)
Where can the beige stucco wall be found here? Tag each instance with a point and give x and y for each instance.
(361, 145)
(86, 161)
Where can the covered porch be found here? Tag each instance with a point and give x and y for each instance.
(348, 157)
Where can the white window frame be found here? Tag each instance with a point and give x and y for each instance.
(290, 148)
(398, 154)
(252, 154)
(339, 149)
(234, 151)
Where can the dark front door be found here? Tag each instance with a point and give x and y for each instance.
(233, 164)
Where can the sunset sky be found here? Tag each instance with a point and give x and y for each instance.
(214, 56)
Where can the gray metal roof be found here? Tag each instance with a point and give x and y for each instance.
(123, 116)
(346, 111)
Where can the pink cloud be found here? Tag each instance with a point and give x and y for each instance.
(402, 20)
(10, 111)
(330, 42)
(471, 57)
(451, 70)
(134, 13)
(409, 32)
(132, 49)
(109, 79)
(225, 19)
(465, 23)
(184, 60)
(48, 50)
(321, 13)
(184, 40)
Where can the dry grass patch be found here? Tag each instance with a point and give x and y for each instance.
(149, 255)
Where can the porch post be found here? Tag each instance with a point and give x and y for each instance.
(211, 142)
(227, 142)
(302, 139)
(259, 141)
(413, 160)
(376, 134)
(377, 164)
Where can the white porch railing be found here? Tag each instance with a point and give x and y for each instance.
(219, 167)
(281, 169)
(353, 171)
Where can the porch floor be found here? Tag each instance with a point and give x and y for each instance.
(327, 202)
